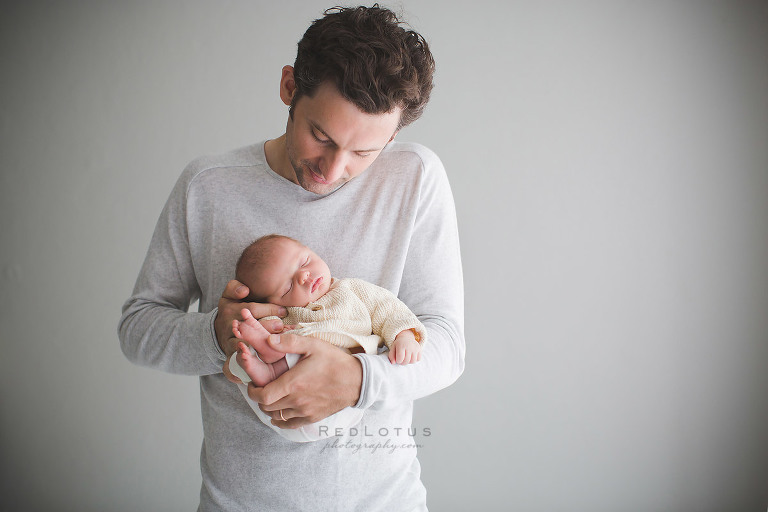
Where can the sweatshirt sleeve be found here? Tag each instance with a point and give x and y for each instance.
(432, 287)
(155, 329)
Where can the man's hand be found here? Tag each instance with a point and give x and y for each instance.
(323, 382)
(230, 305)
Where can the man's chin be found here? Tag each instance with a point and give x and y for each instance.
(311, 185)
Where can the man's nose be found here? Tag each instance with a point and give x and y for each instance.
(336, 162)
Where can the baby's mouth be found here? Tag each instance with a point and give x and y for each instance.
(316, 284)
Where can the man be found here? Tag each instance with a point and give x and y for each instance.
(374, 209)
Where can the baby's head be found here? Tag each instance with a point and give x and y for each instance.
(280, 270)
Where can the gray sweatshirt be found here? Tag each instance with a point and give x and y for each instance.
(394, 226)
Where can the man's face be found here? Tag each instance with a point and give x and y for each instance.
(329, 140)
(293, 275)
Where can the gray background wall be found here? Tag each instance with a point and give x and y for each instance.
(610, 167)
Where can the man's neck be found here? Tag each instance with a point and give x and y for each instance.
(277, 158)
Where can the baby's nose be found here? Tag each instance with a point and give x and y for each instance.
(303, 276)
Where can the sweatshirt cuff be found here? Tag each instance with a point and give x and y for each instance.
(212, 347)
(366, 399)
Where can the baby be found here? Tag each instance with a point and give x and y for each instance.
(351, 314)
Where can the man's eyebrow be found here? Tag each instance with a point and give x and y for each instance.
(317, 127)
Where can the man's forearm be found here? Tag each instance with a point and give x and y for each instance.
(442, 362)
(168, 339)
(155, 328)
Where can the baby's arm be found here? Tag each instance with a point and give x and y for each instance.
(393, 321)
(405, 349)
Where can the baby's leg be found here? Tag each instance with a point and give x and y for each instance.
(257, 336)
(261, 373)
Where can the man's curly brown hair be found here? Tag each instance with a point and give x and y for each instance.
(374, 62)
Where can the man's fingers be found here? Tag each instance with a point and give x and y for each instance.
(283, 415)
(291, 343)
(259, 310)
(281, 405)
(273, 326)
(235, 290)
(287, 418)
(233, 293)
(230, 308)
(271, 397)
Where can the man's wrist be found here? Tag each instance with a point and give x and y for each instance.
(215, 339)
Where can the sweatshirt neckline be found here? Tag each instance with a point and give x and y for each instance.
(288, 185)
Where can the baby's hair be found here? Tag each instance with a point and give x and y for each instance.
(254, 258)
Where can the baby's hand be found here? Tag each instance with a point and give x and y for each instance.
(405, 349)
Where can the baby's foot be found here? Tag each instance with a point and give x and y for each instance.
(261, 373)
(256, 335)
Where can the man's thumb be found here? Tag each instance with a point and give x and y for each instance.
(288, 342)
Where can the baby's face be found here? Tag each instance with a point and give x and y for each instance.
(294, 275)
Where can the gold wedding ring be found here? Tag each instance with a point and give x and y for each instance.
(281, 415)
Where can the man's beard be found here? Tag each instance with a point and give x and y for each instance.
(303, 176)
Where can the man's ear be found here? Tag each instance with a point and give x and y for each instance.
(287, 85)
(393, 137)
